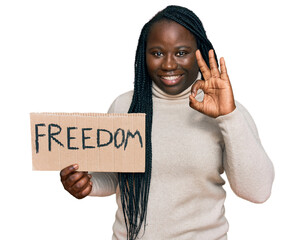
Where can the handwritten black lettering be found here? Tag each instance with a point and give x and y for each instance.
(69, 137)
(99, 144)
(129, 134)
(51, 135)
(38, 135)
(84, 138)
(115, 137)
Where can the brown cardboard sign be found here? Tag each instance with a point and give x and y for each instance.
(97, 142)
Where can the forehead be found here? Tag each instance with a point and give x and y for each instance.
(167, 32)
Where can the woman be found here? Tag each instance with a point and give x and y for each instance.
(195, 131)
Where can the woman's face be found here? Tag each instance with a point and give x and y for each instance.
(170, 56)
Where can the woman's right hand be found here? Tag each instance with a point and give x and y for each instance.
(78, 184)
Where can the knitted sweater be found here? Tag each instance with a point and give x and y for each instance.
(190, 151)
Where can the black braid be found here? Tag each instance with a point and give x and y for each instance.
(134, 187)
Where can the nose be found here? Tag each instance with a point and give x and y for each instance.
(169, 63)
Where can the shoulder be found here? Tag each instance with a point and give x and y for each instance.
(122, 103)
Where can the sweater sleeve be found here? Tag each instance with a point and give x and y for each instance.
(248, 168)
(104, 183)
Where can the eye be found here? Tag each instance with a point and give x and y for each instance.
(157, 54)
(181, 53)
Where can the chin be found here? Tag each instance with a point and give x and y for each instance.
(172, 90)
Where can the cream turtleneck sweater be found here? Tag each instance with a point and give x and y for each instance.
(190, 151)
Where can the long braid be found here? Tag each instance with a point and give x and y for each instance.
(134, 187)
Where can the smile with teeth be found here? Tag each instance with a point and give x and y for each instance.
(171, 80)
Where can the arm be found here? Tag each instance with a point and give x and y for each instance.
(103, 183)
(249, 170)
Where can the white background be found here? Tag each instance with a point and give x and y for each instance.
(77, 56)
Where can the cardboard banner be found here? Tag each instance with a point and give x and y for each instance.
(98, 142)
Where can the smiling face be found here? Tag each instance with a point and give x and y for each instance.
(170, 56)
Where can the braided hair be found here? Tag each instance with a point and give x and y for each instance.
(134, 187)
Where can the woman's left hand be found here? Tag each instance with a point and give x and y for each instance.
(218, 95)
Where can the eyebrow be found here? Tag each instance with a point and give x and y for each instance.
(178, 47)
(184, 47)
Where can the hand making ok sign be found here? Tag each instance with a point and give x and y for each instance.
(218, 95)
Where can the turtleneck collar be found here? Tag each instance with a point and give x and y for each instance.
(159, 93)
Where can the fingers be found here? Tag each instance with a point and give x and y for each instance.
(84, 192)
(203, 66)
(77, 184)
(81, 183)
(65, 173)
(82, 187)
(213, 64)
(205, 70)
(73, 178)
(223, 70)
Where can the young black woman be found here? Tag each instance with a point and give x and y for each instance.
(195, 132)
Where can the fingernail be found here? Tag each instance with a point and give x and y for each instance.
(89, 176)
(75, 166)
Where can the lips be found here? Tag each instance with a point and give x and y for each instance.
(171, 80)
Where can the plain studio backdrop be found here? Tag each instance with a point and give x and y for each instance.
(78, 56)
